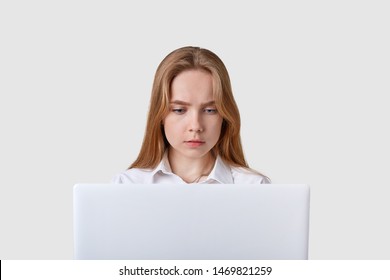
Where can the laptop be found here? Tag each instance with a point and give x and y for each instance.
(191, 222)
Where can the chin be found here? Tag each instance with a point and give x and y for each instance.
(196, 154)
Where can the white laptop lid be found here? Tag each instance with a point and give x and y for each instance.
(196, 221)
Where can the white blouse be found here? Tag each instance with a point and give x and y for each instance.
(162, 174)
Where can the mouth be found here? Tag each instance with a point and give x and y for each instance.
(194, 143)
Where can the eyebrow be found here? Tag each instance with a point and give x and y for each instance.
(179, 102)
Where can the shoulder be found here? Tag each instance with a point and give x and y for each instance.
(133, 176)
(248, 176)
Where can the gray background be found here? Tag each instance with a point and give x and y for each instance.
(310, 79)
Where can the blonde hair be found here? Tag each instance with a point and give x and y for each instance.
(154, 145)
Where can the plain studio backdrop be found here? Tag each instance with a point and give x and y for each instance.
(311, 79)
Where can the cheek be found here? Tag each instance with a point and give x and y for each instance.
(175, 122)
(167, 128)
(216, 127)
(171, 127)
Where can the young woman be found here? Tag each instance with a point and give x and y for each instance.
(193, 127)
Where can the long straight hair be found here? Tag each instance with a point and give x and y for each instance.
(155, 144)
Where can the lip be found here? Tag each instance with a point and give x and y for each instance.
(194, 143)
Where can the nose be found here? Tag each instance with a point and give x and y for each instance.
(195, 123)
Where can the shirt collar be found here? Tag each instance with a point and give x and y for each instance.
(221, 172)
(163, 166)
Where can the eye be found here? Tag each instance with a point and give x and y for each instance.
(210, 111)
(178, 111)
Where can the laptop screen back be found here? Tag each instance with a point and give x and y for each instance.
(196, 221)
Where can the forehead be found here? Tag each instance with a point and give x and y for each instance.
(192, 84)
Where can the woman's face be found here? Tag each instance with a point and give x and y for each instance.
(193, 125)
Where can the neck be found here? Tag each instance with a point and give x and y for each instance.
(191, 170)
